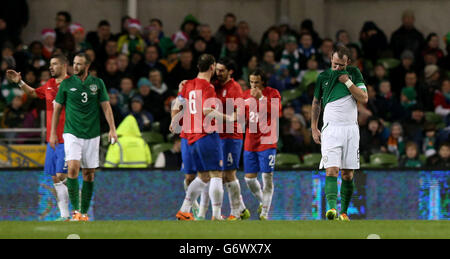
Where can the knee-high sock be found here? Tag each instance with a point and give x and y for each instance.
(195, 203)
(255, 188)
(62, 195)
(193, 191)
(204, 201)
(331, 190)
(73, 189)
(216, 195)
(234, 196)
(346, 194)
(268, 189)
(86, 196)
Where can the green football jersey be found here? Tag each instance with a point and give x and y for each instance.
(82, 102)
(329, 89)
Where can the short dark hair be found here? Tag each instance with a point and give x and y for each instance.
(156, 20)
(62, 58)
(230, 15)
(228, 63)
(104, 23)
(259, 72)
(205, 61)
(342, 51)
(83, 55)
(66, 15)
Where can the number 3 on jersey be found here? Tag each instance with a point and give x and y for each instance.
(85, 97)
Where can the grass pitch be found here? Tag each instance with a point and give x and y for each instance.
(359, 229)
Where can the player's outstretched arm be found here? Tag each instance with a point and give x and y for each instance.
(315, 113)
(112, 136)
(359, 94)
(15, 77)
(55, 118)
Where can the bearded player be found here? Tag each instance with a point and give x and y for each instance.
(261, 137)
(338, 89)
(54, 159)
(231, 142)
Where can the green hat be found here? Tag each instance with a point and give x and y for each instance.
(190, 18)
(144, 81)
(409, 92)
(291, 39)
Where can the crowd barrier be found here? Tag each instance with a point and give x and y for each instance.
(29, 195)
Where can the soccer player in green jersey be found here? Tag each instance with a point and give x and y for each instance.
(82, 95)
(338, 89)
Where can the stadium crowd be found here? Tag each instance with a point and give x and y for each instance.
(407, 76)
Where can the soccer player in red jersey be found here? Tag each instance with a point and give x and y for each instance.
(200, 129)
(228, 90)
(54, 159)
(263, 109)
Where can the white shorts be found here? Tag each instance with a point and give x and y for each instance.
(84, 150)
(340, 146)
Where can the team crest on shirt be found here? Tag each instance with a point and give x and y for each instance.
(325, 159)
(93, 88)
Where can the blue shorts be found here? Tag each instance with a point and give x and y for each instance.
(260, 162)
(231, 149)
(55, 160)
(207, 154)
(187, 165)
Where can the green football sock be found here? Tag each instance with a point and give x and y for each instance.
(331, 190)
(346, 194)
(74, 193)
(86, 196)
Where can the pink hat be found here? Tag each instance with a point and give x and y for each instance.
(134, 23)
(48, 32)
(75, 27)
(179, 36)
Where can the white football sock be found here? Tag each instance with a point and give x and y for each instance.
(242, 205)
(234, 196)
(267, 193)
(62, 195)
(204, 201)
(193, 191)
(216, 195)
(195, 203)
(255, 188)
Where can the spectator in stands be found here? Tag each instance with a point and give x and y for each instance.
(408, 98)
(243, 84)
(98, 39)
(79, 36)
(126, 93)
(307, 26)
(184, 70)
(227, 28)
(124, 22)
(131, 42)
(268, 64)
(248, 45)
(189, 28)
(13, 117)
(380, 74)
(159, 93)
(306, 113)
(64, 38)
(212, 46)
(387, 105)
(251, 66)
(297, 138)
(395, 143)
(144, 91)
(398, 74)
(441, 101)
(309, 75)
(171, 60)
(180, 40)
(371, 138)
(431, 84)
(414, 124)
(170, 159)
(142, 116)
(373, 41)
(111, 77)
(306, 48)
(153, 38)
(123, 66)
(442, 159)
(151, 61)
(342, 38)
(292, 58)
(117, 112)
(109, 52)
(445, 61)
(324, 55)
(411, 159)
(272, 42)
(232, 50)
(357, 59)
(429, 142)
(432, 46)
(36, 59)
(198, 48)
(48, 37)
(407, 36)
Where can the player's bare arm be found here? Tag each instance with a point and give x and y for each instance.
(359, 94)
(220, 116)
(315, 113)
(16, 77)
(53, 136)
(106, 106)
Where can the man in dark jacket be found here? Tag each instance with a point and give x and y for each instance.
(407, 37)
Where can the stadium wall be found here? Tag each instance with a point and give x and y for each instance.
(299, 195)
(328, 15)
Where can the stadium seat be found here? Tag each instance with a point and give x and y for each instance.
(152, 137)
(158, 148)
(423, 159)
(389, 63)
(312, 160)
(289, 95)
(383, 160)
(287, 160)
(436, 119)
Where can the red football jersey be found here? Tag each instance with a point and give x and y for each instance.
(231, 90)
(48, 92)
(196, 92)
(254, 141)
